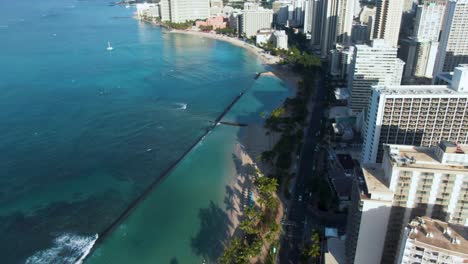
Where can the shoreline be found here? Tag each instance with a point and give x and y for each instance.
(253, 140)
(266, 59)
(146, 192)
(271, 62)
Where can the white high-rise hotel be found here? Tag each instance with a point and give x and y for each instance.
(420, 115)
(253, 18)
(178, 11)
(429, 241)
(372, 65)
(411, 181)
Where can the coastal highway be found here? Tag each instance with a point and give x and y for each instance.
(291, 243)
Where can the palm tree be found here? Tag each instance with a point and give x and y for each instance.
(314, 251)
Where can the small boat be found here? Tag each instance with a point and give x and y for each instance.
(109, 47)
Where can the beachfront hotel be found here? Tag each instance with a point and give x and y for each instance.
(254, 18)
(376, 64)
(420, 115)
(426, 240)
(178, 11)
(411, 182)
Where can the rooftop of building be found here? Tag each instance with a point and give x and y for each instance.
(341, 184)
(439, 235)
(448, 76)
(335, 251)
(339, 112)
(265, 31)
(447, 156)
(255, 7)
(414, 89)
(376, 43)
(372, 182)
(280, 33)
(346, 161)
(450, 147)
(342, 94)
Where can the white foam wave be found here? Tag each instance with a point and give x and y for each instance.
(181, 106)
(67, 248)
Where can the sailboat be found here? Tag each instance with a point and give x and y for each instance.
(109, 47)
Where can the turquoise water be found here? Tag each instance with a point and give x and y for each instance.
(84, 131)
(184, 220)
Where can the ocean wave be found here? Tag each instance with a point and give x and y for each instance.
(181, 106)
(67, 248)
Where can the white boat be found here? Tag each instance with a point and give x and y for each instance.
(109, 47)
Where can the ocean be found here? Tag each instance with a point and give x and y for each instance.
(84, 131)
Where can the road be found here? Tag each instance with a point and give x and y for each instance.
(296, 219)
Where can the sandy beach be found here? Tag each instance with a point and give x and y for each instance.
(282, 72)
(253, 140)
(249, 147)
(260, 53)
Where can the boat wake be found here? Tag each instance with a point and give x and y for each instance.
(181, 106)
(67, 248)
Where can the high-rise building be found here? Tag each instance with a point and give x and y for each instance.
(424, 181)
(165, 10)
(147, 10)
(453, 47)
(419, 56)
(429, 18)
(360, 33)
(345, 21)
(368, 216)
(372, 65)
(388, 21)
(216, 7)
(420, 115)
(177, 11)
(299, 7)
(428, 241)
(253, 18)
(420, 50)
(281, 11)
(313, 21)
(280, 39)
(340, 61)
(337, 22)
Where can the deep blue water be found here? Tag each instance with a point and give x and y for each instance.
(83, 131)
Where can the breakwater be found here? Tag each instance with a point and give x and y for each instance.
(265, 73)
(105, 233)
(233, 124)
